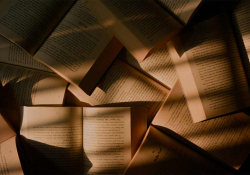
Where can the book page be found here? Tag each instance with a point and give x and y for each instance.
(124, 86)
(29, 23)
(161, 154)
(53, 137)
(158, 65)
(181, 8)
(141, 27)
(6, 131)
(227, 138)
(76, 44)
(22, 86)
(107, 139)
(9, 160)
(12, 54)
(212, 57)
(241, 17)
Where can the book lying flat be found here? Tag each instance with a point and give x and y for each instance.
(162, 154)
(225, 138)
(73, 140)
(157, 66)
(24, 86)
(210, 65)
(63, 35)
(124, 86)
(143, 26)
(12, 54)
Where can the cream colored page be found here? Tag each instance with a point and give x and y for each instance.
(23, 86)
(216, 66)
(107, 139)
(161, 154)
(124, 86)
(12, 54)
(227, 138)
(76, 43)
(187, 80)
(5, 130)
(242, 20)
(181, 8)
(138, 25)
(28, 23)
(56, 133)
(158, 65)
(9, 160)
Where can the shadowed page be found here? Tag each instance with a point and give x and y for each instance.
(227, 137)
(213, 68)
(161, 154)
(56, 134)
(183, 9)
(12, 54)
(158, 65)
(124, 86)
(142, 27)
(241, 19)
(28, 23)
(23, 86)
(75, 45)
(107, 139)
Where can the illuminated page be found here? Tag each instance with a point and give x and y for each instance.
(161, 154)
(54, 139)
(23, 86)
(12, 54)
(5, 130)
(227, 138)
(9, 160)
(107, 139)
(183, 9)
(29, 23)
(76, 45)
(124, 86)
(142, 27)
(210, 70)
(158, 65)
(241, 19)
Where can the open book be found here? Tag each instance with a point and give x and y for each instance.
(24, 86)
(124, 86)
(72, 140)
(173, 140)
(63, 35)
(161, 154)
(210, 64)
(143, 26)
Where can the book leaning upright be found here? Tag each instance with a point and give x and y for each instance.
(63, 35)
(211, 69)
(72, 140)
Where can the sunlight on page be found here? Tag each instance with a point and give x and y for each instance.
(158, 65)
(56, 133)
(125, 86)
(246, 39)
(107, 139)
(161, 154)
(5, 130)
(227, 137)
(9, 160)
